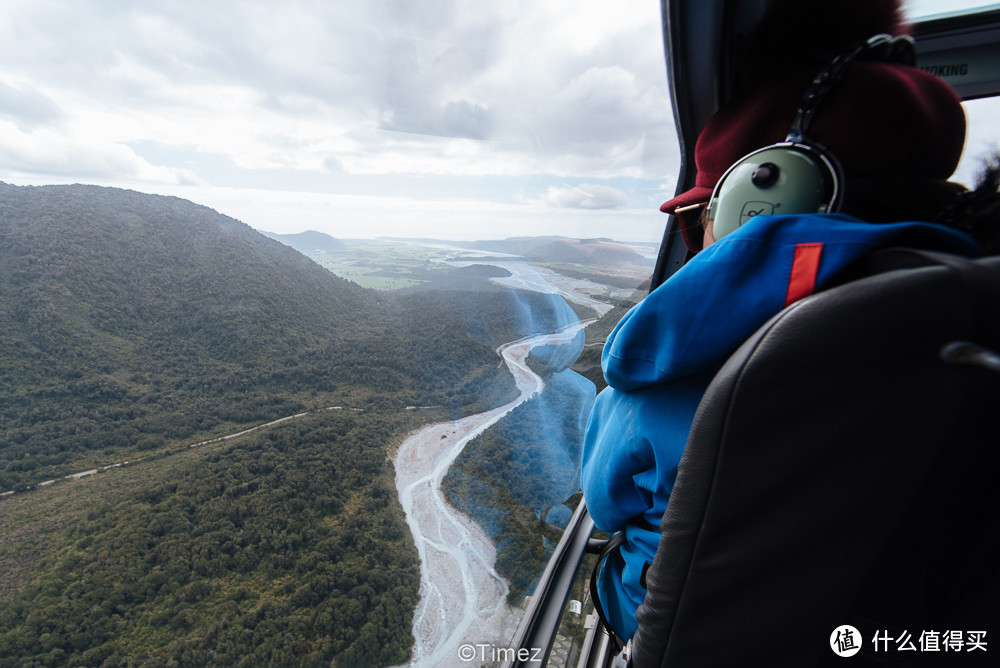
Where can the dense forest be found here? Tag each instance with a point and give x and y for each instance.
(284, 549)
(133, 327)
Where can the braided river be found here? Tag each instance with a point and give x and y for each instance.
(463, 601)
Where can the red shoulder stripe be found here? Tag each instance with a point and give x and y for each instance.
(805, 266)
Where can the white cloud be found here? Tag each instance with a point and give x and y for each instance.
(42, 152)
(602, 117)
(26, 107)
(256, 82)
(586, 196)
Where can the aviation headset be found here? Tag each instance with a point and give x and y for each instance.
(797, 175)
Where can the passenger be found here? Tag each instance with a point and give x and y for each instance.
(899, 134)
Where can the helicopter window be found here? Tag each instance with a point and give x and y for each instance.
(925, 9)
(480, 176)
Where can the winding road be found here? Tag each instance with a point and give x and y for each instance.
(462, 598)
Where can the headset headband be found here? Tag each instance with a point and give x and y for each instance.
(798, 175)
(883, 48)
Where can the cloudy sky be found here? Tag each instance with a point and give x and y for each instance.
(438, 117)
(445, 118)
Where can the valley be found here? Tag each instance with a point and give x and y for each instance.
(219, 412)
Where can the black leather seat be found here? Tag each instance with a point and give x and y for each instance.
(839, 471)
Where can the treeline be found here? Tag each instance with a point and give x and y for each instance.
(286, 549)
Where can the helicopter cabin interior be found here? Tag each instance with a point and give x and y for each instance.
(887, 520)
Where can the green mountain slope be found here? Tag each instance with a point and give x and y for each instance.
(128, 321)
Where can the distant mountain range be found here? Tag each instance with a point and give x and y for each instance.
(309, 241)
(600, 252)
(592, 252)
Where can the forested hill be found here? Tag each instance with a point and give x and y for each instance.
(131, 269)
(128, 321)
(134, 326)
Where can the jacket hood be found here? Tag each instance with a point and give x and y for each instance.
(698, 317)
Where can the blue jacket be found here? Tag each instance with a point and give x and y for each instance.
(661, 357)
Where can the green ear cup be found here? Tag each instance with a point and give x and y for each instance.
(780, 179)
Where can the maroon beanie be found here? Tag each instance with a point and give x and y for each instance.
(883, 120)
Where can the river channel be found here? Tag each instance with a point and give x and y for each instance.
(463, 601)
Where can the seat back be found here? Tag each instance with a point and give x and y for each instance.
(839, 471)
